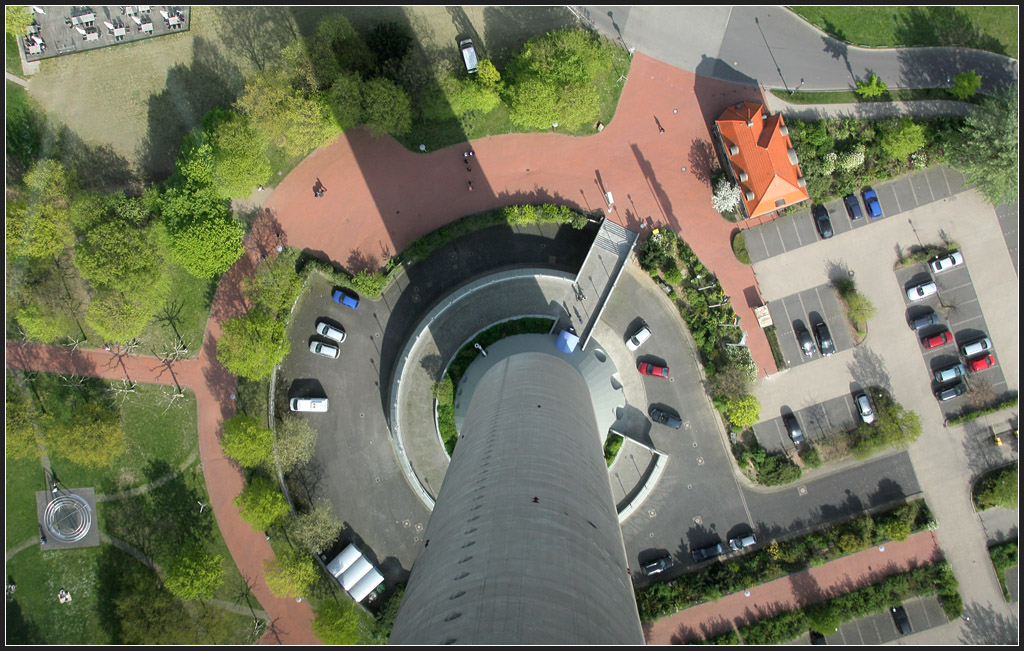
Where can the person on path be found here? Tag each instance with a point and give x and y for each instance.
(661, 129)
(470, 186)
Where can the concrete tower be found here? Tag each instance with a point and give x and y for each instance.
(524, 544)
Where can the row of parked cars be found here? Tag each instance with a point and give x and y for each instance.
(861, 402)
(327, 343)
(659, 565)
(633, 342)
(821, 334)
(976, 354)
(823, 221)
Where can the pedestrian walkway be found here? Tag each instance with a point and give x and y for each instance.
(815, 585)
(922, 109)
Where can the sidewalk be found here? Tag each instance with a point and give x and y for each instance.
(927, 108)
(811, 586)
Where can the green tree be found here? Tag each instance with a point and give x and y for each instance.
(346, 100)
(121, 316)
(239, 161)
(120, 255)
(986, 148)
(743, 412)
(902, 138)
(338, 622)
(253, 344)
(38, 222)
(265, 102)
(205, 239)
(261, 504)
(386, 108)
(385, 621)
(194, 573)
(873, 87)
(316, 529)
(92, 438)
(291, 574)
(457, 96)
(999, 488)
(195, 162)
(275, 285)
(487, 75)
(18, 18)
(965, 85)
(295, 444)
(245, 441)
(336, 46)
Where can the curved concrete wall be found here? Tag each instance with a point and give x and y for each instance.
(524, 545)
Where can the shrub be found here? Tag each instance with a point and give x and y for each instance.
(673, 276)
(337, 622)
(261, 504)
(726, 197)
(743, 411)
(873, 87)
(656, 250)
(998, 488)
(612, 445)
(965, 85)
(811, 457)
(1004, 557)
(739, 247)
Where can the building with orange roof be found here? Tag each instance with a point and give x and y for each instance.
(761, 158)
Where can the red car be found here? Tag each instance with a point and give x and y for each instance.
(938, 339)
(650, 369)
(981, 363)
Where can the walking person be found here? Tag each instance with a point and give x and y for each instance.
(470, 186)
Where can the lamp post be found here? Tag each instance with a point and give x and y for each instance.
(798, 86)
(725, 301)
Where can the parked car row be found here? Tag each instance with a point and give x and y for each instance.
(821, 334)
(861, 402)
(327, 342)
(823, 221)
(658, 416)
(976, 354)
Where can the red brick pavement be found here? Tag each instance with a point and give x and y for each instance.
(812, 586)
(381, 196)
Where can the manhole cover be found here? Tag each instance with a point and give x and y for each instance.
(686, 425)
(700, 461)
(697, 521)
(802, 490)
(652, 513)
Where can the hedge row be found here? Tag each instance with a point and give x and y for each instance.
(781, 558)
(1004, 556)
(826, 617)
(970, 414)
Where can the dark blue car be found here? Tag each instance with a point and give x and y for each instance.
(871, 201)
(346, 298)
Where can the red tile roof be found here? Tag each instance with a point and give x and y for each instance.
(764, 154)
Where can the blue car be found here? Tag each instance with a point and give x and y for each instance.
(347, 299)
(871, 201)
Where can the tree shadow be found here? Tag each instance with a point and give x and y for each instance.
(942, 25)
(191, 91)
(19, 628)
(703, 160)
(868, 369)
(258, 33)
(837, 49)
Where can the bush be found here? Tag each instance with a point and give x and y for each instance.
(1004, 557)
(612, 445)
(771, 332)
(656, 250)
(337, 622)
(726, 197)
(742, 412)
(998, 488)
(970, 414)
(811, 457)
(673, 276)
(739, 248)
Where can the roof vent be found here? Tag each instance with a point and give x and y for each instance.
(802, 182)
(764, 116)
(750, 123)
(792, 156)
(749, 195)
(784, 130)
(780, 202)
(743, 176)
(733, 150)
(739, 106)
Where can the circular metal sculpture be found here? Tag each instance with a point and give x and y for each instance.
(68, 518)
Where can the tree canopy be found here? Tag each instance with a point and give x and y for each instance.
(261, 503)
(247, 442)
(291, 574)
(986, 148)
(194, 573)
(38, 221)
(205, 238)
(252, 344)
(239, 161)
(386, 108)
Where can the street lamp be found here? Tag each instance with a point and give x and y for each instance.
(700, 289)
(725, 301)
(798, 86)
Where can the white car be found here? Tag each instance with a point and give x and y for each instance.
(327, 350)
(954, 259)
(917, 292)
(325, 329)
(309, 404)
(638, 338)
(867, 414)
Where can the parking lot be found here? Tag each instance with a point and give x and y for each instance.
(956, 304)
(924, 613)
(817, 422)
(796, 230)
(803, 310)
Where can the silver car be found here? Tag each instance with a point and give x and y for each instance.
(327, 350)
(950, 373)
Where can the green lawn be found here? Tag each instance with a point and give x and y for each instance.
(23, 478)
(154, 435)
(992, 28)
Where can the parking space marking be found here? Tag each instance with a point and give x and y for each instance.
(919, 183)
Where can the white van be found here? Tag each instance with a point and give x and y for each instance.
(309, 404)
(469, 55)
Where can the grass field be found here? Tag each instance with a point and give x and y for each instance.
(992, 28)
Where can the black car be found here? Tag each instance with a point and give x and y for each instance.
(899, 617)
(852, 206)
(806, 343)
(659, 565)
(793, 428)
(950, 392)
(924, 321)
(822, 221)
(665, 418)
(704, 553)
(825, 344)
(817, 638)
